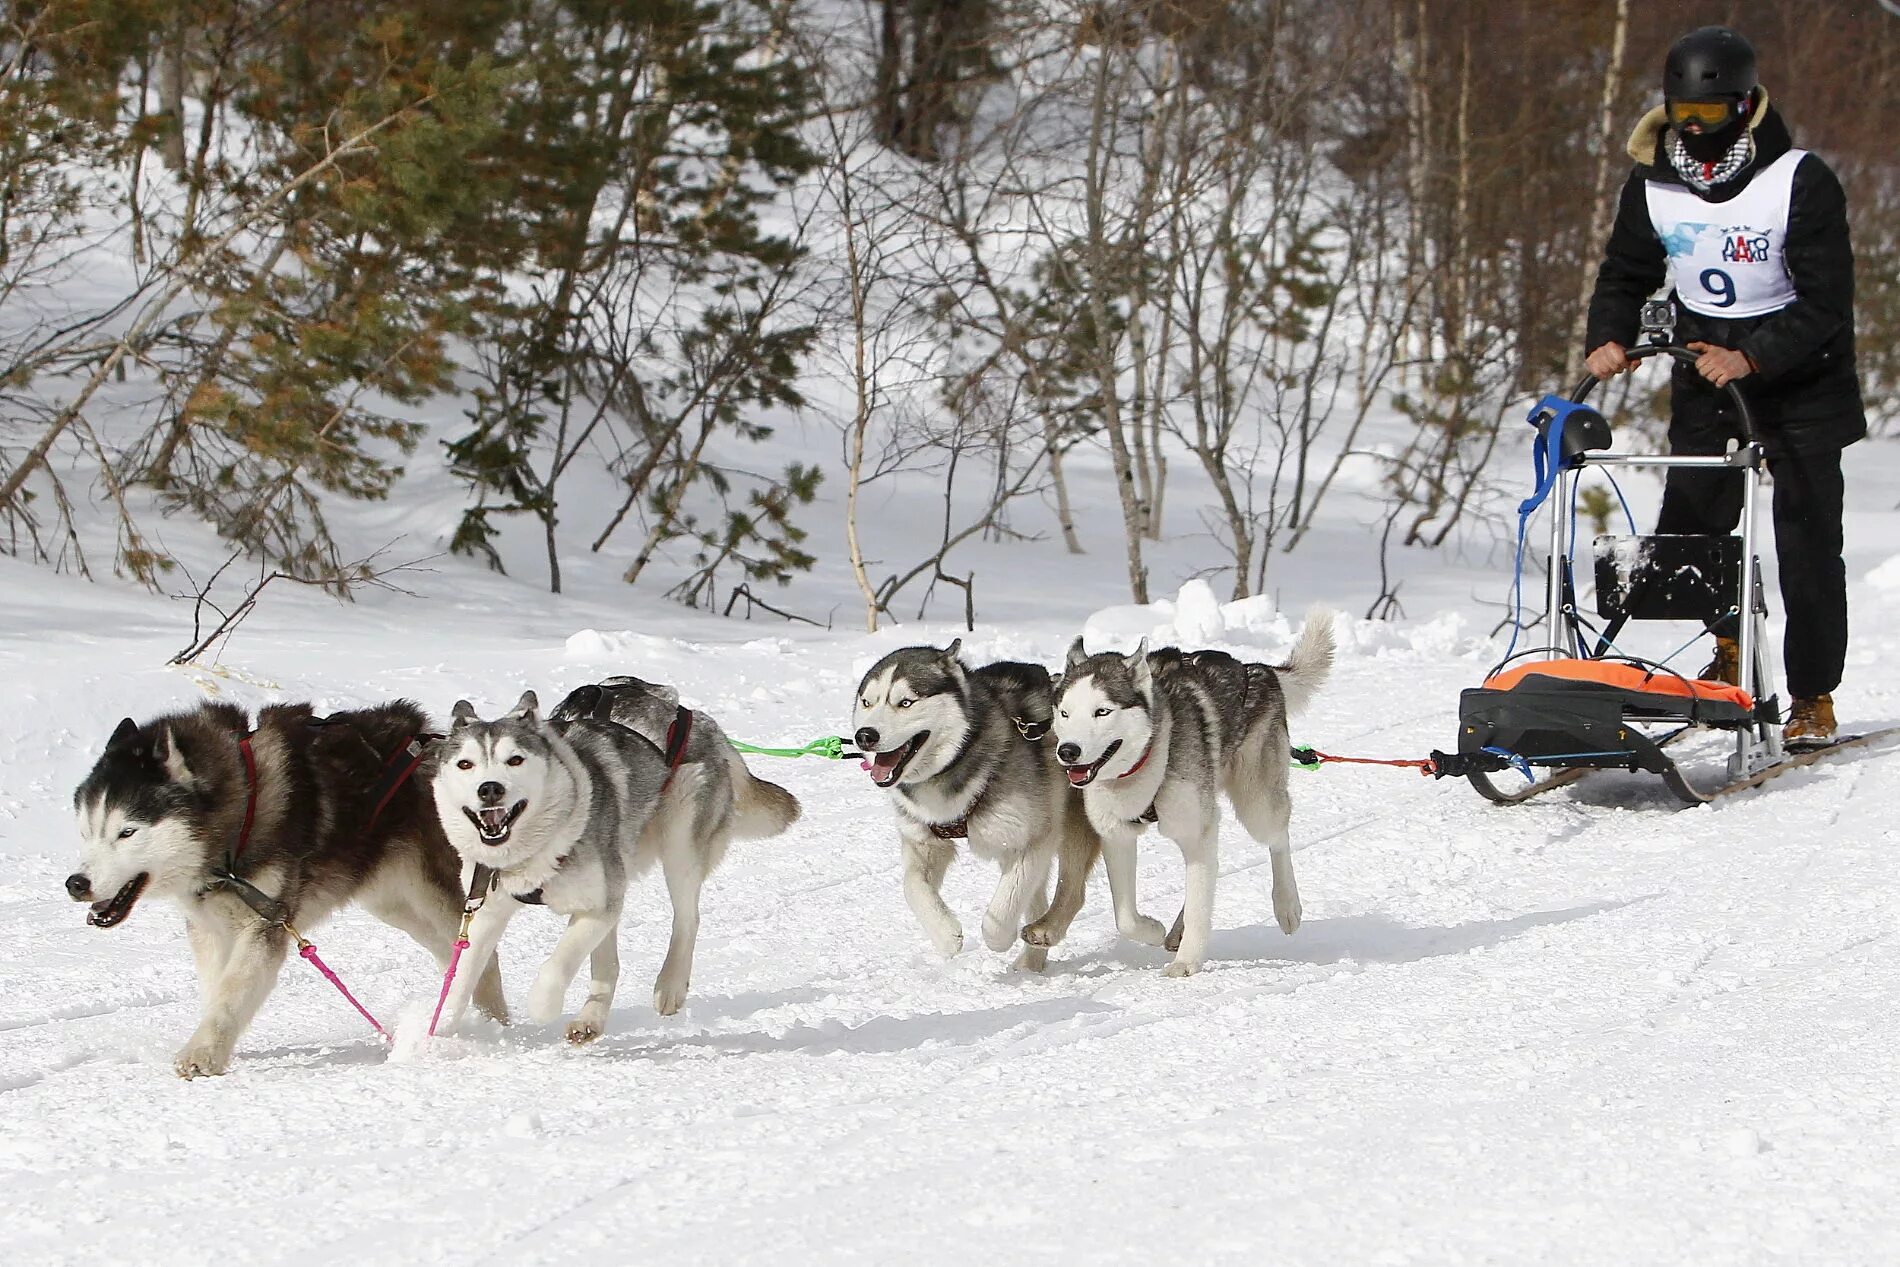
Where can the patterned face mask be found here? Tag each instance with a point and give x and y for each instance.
(1702, 176)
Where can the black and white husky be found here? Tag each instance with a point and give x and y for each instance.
(565, 813)
(250, 830)
(962, 754)
(1157, 737)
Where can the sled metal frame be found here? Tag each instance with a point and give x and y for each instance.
(1758, 746)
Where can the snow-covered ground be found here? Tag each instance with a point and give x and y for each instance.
(1597, 1029)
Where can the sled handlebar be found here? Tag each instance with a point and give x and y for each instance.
(1642, 350)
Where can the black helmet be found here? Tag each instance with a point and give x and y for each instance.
(1709, 64)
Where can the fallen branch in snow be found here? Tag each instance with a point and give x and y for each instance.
(753, 600)
(362, 574)
(1387, 606)
(965, 583)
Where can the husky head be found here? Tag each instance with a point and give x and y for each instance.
(911, 718)
(487, 775)
(1104, 713)
(141, 814)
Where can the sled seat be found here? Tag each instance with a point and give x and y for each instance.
(1566, 714)
(1642, 693)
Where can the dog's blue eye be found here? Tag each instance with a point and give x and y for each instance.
(517, 759)
(1103, 712)
(126, 833)
(905, 703)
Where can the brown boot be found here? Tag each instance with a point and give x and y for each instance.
(1810, 722)
(1727, 664)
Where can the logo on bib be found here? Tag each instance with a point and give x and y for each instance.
(1744, 246)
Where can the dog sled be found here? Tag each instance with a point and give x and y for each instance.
(1556, 713)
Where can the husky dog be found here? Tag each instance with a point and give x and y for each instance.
(564, 814)
(1154, 738)
(959, 751)
(255, 832)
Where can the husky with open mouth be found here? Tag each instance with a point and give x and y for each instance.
(565, 813)
(962, 754)
(1158, 737)
(252, 829)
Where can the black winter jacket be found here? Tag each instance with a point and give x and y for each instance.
(1805, 391)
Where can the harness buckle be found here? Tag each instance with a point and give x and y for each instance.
(267, 908)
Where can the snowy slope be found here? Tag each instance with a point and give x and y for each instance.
(1592, 1030)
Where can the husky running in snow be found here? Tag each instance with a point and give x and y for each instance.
(564, 813)
(177, 809)
(1156, 737)
(961, 754)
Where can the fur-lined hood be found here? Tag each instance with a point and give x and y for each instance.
(1645, 145)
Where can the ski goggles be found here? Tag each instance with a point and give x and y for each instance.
(1710, 116)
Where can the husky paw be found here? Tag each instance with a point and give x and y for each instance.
(997, 935)
(1041, 933)
(1181, 968)
(544, 1001)
(200, 1060)
(1287, 913)
(1032, 959)
(1145, 929)
(948, 941)
(583, 1030)
(668, 997)
(1172, 942)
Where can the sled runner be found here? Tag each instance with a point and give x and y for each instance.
(1578, 704)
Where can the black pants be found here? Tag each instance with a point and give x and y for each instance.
(1807, 513)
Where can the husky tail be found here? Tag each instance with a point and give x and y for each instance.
(1305, 670)
(759, 808)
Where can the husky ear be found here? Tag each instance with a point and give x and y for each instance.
(950, 652)
(1138, 666)
(166, 752)
(128, 731)
(461, 715)
(528, 707)
(1077, 654)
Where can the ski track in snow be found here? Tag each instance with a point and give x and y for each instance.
(1593, 1029)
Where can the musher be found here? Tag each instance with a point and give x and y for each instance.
(1753, 234)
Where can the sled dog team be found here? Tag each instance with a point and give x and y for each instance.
(259, 830)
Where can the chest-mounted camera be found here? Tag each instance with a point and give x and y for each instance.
(1658, 322)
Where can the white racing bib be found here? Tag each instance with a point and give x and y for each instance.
(1726, 257)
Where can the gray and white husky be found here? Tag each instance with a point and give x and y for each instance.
(962, 755)
(1157, 737)
(300, 815)
(565, 814)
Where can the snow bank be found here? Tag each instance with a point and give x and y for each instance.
(1196, 618)
(594, 646)
(1193, 618)
(1886, 576)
